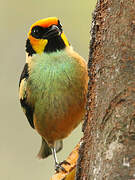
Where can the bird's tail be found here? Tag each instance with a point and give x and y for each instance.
(45, 150)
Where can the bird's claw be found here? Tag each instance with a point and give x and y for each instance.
(59, 166)
(64, 162)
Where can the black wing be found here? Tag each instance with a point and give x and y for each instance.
(27, 108)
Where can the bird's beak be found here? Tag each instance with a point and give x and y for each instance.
(52, 32)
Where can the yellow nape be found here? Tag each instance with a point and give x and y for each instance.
(45, 22)
(64, 39)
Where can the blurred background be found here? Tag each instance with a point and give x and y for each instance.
(19, 143)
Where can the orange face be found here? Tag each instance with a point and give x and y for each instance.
(39, 44)
(51, 27)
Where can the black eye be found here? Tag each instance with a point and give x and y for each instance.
(37, 32)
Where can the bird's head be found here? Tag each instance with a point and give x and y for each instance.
(47, 36)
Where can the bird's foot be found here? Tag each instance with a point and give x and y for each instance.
(59, 166)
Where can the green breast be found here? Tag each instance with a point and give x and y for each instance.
(55, 84)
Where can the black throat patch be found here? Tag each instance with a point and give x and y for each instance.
(54, 44)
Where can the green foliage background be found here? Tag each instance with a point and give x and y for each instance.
(19, 144)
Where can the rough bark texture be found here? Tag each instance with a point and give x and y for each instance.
(108, 149)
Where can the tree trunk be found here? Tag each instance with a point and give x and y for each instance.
(108, 148)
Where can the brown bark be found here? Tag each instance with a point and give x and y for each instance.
(108, 149)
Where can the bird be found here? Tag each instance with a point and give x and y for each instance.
(53, 86)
